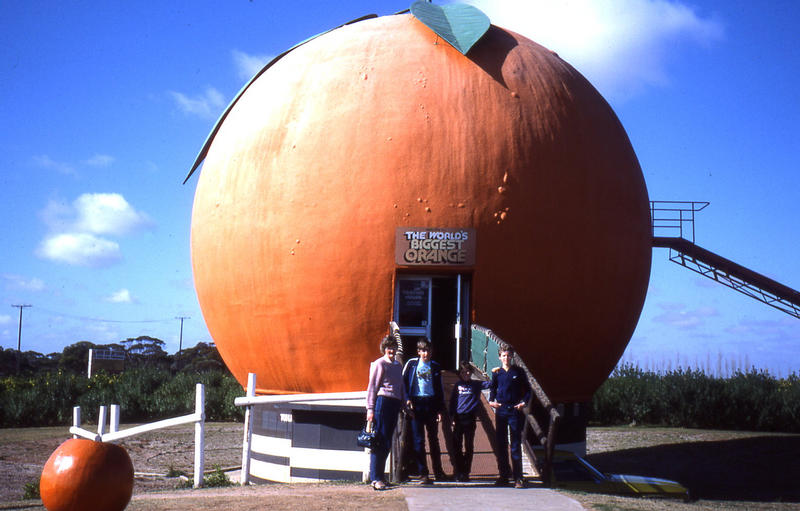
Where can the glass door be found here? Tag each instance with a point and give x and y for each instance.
(412, 306)
(435, 308)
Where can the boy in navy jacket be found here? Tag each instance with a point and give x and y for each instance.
(509, 392)
(464, 401)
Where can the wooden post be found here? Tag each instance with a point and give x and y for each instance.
(199, 430)
(397, 450)
(547, 477)
(244, 477)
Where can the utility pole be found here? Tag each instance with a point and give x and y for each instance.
(19, 333)
(180, 340)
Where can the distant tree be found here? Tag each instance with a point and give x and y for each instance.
(43, 363)
(52, 360)
(144, 345)
(75, 357)
(146, 351)
(8, 361)
(27, 361)
(200, 358)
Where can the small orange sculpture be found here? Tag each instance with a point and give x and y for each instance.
(84, 475)
(381, 124)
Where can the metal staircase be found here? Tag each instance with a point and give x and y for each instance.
(675, 220)
(541, 416)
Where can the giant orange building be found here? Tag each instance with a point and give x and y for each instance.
(377, 173)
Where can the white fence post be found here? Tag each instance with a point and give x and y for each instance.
(114, 420)
(76, 418)
(199, 430)
(89, 366)
(244, 478)
(101, 421)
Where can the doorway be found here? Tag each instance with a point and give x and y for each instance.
(434, 307)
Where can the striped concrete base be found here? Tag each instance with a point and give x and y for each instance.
(309, 441)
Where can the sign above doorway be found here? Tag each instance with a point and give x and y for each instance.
(426, 246)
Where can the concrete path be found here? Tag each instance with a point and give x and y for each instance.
(445, 497)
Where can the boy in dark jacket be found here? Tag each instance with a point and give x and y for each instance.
(422, 378)
(509, 392)
(464, 401)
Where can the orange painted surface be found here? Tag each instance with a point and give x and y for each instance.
(380, 124)
(83, 475)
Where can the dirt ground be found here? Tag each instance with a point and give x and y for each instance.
(24, 451)
(724, 471)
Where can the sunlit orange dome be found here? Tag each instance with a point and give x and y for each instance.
(381, 124)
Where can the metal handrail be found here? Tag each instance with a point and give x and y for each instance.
(675, 217)
(546, 438)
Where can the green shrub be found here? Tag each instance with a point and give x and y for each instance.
(174, 472)
(144, 394)
(217, 478)
(31, 491)
(753, 400)
(39, 400)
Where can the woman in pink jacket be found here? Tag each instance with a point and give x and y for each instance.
(385, 398)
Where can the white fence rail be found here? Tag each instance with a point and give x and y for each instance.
(198, 418)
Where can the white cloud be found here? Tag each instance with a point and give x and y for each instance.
(5, 319)
(678, 316)
(784, 329)
(121, 296)
(150, 166)
(95, 213)
(48, 163)
(76, 229)
(19, 282)
(57, 215)
(100, 160)
(248, 65)
(102, 332)
(80, 249)
(206, 105)
(621, 46)
(107, 213)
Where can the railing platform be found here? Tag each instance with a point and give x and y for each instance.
(676, 220)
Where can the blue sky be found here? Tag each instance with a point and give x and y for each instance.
(104, 109)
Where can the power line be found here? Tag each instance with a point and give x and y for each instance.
(101, 320)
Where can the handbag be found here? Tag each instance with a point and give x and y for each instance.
(367, 438)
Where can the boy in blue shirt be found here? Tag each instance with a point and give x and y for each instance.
(422, 378)
(509, 392)
(464, 401)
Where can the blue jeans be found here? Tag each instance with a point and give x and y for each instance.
(463, 442)
(425, 415)
(507, 419)
(386, 410)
